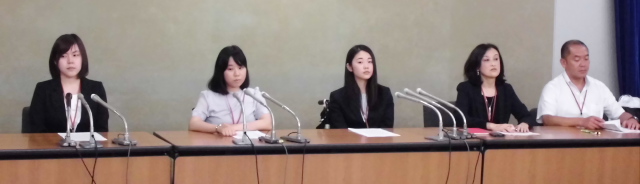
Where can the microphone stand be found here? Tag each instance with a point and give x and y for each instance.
(92, 140)
(298, 138)
(465, 131)
(440, 136)
(414, 94)
(66, 141)
(245, 139)
(125, 140)
(272, 139)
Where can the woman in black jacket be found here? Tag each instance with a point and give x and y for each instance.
(55, 102)
(485, 98)
(361, 102)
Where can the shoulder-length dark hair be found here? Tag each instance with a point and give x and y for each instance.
(62, 45)
(217, 83)
(350, 85)
(474, 62)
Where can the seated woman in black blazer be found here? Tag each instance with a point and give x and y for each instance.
(69, 66)
(485, 98)
(362, 102)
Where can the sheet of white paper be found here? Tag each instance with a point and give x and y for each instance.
(252, 134)
(520, 133)
(481, 133)
(83, 136)
(614, 126)
(373, 132)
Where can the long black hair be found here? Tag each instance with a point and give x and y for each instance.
(350, 85)
(217, 83)
(474, 62)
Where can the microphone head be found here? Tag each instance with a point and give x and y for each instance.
(323, 102)
(237, 96)
(407, 90)
(398, 94)
(67, 98)
(405, 96)
(96, 98)
(248, 93)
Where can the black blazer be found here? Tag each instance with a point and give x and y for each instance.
(471, 102)
(47, 111)
(343, 114)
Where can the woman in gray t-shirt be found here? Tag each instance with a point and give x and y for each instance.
(217, 110)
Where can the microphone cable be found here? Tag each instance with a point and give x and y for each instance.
(85, 165)
(304, 149)
(286, 163)
(468, 165)
(95, 161)
(256, 155)
(304, 153)
(68, 103)
(127, 170)
(128, 158)
(450, 150)
(476, 168)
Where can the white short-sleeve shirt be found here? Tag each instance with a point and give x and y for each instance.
(216, 108)
(557, 99)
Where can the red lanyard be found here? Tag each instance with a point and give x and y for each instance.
(576, 99)
(365, 116)
(490, 112)
(73, 121)
(75, 115)
(233, 119)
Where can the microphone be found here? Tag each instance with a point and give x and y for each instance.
(273, 139)
(298, 138)
(245, 139)
(323, 114)
(67, 98)
(92, 140)
(432, 102)
(440, 136)
(67, 142)
(465, 131)
(323, 102)
(125, 140)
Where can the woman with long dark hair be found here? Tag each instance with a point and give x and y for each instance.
(485, 98)
(361, 102)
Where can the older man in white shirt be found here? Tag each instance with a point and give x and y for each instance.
(576, 99)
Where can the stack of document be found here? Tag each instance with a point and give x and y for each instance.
(520, 133)
(83, 136)
(480, 131)
(252, 134)
(373, 132)
(614, 125)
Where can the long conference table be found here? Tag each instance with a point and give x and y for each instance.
(38, 158)
(563, 155)
(558, 155)
(332, 156)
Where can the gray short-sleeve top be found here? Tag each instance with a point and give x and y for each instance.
(216, 108)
